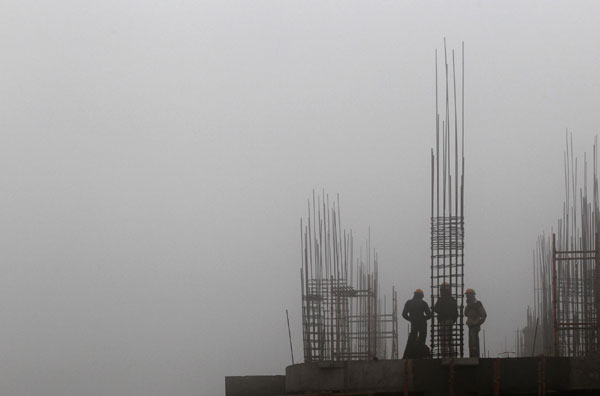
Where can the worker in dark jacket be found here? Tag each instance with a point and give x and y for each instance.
(417, 312)
(476, 315)
(447, 313)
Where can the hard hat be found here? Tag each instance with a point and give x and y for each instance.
(445, 285)
(419, 291)
(470, 291)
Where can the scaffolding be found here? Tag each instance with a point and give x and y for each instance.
(447, 220)
(574, 291)
(566, 271)
(343, 317)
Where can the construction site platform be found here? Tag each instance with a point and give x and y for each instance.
(507, 376)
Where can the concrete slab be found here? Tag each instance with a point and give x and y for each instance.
(461, 361)
(510, 376)
(255, 385)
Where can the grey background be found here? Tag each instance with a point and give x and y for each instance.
(156, 158)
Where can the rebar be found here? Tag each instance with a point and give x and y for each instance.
(447, 209)
(566, 278)
(342, 313)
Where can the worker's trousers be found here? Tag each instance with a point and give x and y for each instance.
(474, 341)
(417, 335)
(418, 332)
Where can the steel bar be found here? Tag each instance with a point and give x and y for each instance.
(566, 283)
(447, 206)
(342, 315)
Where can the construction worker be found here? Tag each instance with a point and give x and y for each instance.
(417, 312)
(447, 313)
(476, 315)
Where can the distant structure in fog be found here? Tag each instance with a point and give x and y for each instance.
(343, 315)
(566, 272)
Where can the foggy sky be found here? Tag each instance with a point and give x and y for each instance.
(157, 156)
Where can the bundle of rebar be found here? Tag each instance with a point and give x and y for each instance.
(566, 270)
(343, 317)
(447, 207)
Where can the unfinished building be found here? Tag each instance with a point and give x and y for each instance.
(564, 320)
(350, 335)
(343, 315)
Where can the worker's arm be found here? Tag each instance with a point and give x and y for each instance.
(405, 312)
(428, 313)
(482, 314)
(437, 306)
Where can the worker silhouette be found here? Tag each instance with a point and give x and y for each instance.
(417, 312)
(476, 315)
(447, 313)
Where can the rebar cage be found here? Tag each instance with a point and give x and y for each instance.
(447, 268)
(343, 316)
(565, 320)
(447, 208)
(575, 289)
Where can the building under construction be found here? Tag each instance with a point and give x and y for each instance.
(344, 316)
(564, 320)
(350, 329)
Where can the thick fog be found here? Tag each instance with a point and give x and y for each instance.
(157, 157)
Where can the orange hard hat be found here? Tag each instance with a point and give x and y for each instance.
(419, 291)
(470, 291)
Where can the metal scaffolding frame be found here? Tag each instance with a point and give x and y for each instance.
(574, 293)
(343, 316)
(566, 271)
